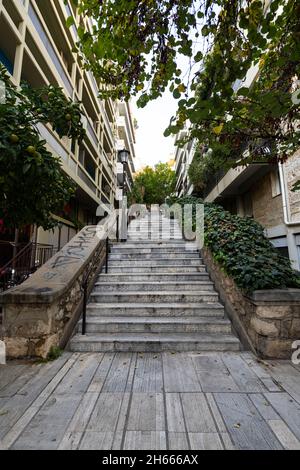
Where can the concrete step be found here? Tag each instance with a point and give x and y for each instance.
(154, 237)
(154, 256)
(196, 261)
(153, 277)
(165, 231)
(153, 342)
(155, 250)
(154, 296)
(102, 286)
(156, 325)
(162, 229)
(148, 244)
(203, 309)
(154, 224)
(128, 268)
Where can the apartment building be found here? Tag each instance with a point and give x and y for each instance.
(126, 140)
(183, 158)
(259, 190)
(37, 46)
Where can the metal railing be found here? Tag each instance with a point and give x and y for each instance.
(87, 284)
(27, 260)
(100, 260)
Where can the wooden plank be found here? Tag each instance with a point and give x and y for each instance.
(198, 417)
(287, 377)
(11, 372)
(216, 414)
(178, 441)
(123, 412)
(23, 421)
(263, 406)
(287, 408)
(216, 382)
(205, 441)
(246, 427)
(116, 379)
(46, 429)
(145, 440)
(146, 412)
(179, 373)
(20, 380)
(148, 373)
(50, 388)
(70, 441)
(95, 440)
(284, 435)
(101, 373)
(262, 369)
(296, 366)
(213, 374)
(15, 407)
(131, 374)
(244, 377)
(106, 412)
(175, 418)
(208, 362)
(10, 437)
(121, 425)
(78, 378)
(83, 413)
(227, 442)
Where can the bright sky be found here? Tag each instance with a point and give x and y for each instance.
(151, 145)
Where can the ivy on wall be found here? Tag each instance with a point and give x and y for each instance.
(240, 247)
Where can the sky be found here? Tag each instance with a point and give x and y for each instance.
(151, 145)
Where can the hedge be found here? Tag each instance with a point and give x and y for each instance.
(240, 247)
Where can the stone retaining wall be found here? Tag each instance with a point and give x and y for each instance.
(43, 311)
(267, 321)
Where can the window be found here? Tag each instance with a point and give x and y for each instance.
(297, 238)
(275, 183)
(281, 245)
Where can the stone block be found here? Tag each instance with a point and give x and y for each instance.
(16, 347)
(42, 348)
(273, 311)
(264, 328)
(274, 348)
(295, 328)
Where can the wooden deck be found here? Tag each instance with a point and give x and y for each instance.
(150, 401)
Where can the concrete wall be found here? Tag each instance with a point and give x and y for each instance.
(291, 170)
(267, 321)
(266, 209)
(42, 312)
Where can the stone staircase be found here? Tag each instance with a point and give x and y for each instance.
(156, 296)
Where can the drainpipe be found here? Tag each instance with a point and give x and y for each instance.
(286, 218)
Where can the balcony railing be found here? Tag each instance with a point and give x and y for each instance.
(50, 49)
(86, 179)
(27, 260)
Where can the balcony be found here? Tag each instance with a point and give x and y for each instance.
(233, 182)
(50, 49)
(225, 183)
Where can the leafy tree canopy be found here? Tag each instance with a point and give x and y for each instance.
(153, 185)
(32, 183)
(134, 47)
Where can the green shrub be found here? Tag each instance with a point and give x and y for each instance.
(240, 247)
(54, 353)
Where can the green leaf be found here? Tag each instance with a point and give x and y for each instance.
(70, 21)
(198, 56)
(176, 93)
